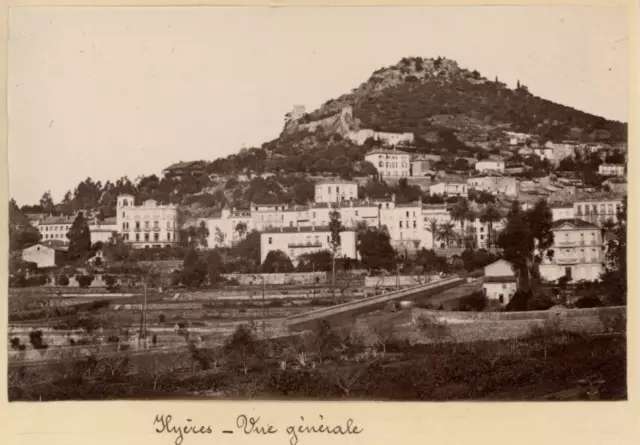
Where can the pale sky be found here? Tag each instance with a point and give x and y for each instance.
(108, 92)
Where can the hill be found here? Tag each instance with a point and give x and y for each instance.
(448, 110)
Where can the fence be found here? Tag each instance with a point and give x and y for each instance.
(305, 278)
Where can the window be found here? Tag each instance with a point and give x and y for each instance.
(314, 214)
(407, 214)
(356, 213)
(337, 190)
(329, 189)
(146, 225)
(168, 225)
(270, 240)
(414, 224)
(124, 226)
(146, 237)
(501, 298)
(168, 237)
(123, 214)
(401, 224)
(137, 225)
(504, 285)
(137, 237)
(290, 223)
(156, 236)
(156, 224)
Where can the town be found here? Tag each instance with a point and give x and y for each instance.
(333, 263)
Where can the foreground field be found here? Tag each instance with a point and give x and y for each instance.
(327, 365)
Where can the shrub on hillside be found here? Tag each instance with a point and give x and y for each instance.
(588, 301)
(109, 281)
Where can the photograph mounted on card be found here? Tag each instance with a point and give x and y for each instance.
(276, 204)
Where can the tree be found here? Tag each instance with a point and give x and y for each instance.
(489, 215)
(220, 237)
(461, 212)
(79, 238)
(215, 267)
(194, 270)
(335, 227)
(116, 249)
(446, 232)
(526, 239)
(376, 251)
(277, 262)
(433, 227)
(241, 229)
(46, 202)
(202, 234)
(615, 275)
(21, 233)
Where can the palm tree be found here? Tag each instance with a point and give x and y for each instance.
(241, 229)
(446, 232)
(488, 215)
(433, 227)
(461, 211)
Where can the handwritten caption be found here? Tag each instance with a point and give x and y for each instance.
(253, 426)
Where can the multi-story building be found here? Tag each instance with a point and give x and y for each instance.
(55, 228)
(297, 241)
(489, 165)
(404, 223)
(335, 190)
(228, 227)
(449, 189)
(497, 185)
(562, 211)
(102, 231)
(390, 163)
(597, 210)
(147, 225)
(612, 169)
(578, 252)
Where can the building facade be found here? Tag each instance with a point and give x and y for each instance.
(44, 256)
(499, 282)
(489, 165)
(449, 189)
(102, 231)
(147, 225)
(55, 228)
(228, 227)
(612, 169)
(496, 185)
(335, 190)
(578, 252)
(298, 241)
(390, 163)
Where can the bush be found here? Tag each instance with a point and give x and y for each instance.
(84, 281)
(109, 281)
(588, 301)
(62, 280)
(476, 302)
(36, 340)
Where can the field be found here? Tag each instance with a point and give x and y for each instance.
(230, 345)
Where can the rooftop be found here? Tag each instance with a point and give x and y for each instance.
(382, 151)
(578, 223)
(335, 181)
(305, 229)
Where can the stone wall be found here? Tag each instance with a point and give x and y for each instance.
(401, 280)
(477, 326)
(301, 278)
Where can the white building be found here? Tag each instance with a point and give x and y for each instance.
(266, 216)
(102, 231)
(597, 210)
(147, 225)
(392, 139)
(611, 169)
(390, 163)
(499, 282)
(562, 211)
(404, 223)
(228, 227)
(44, 256)
(449, 189)
(496, 185)
(578, 252)
(488, 165)
(55, 228)
(335, 190)
(297, 241)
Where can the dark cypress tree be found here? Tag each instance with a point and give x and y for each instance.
(79, 238)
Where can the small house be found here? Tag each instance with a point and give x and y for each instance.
(500, 282)
(44, 256)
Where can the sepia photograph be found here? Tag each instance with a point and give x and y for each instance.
(364, 203)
